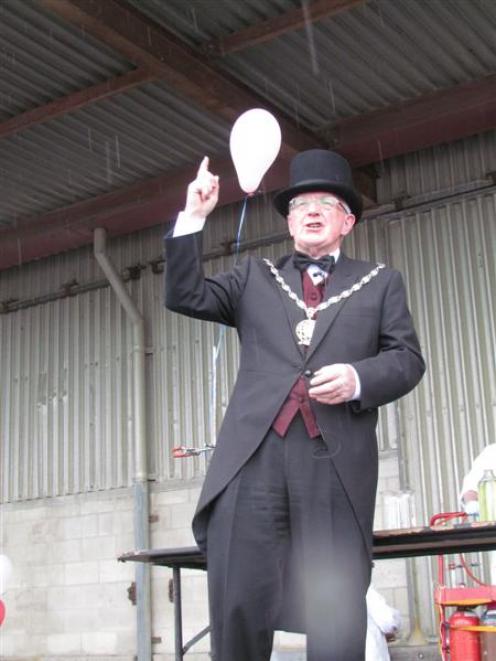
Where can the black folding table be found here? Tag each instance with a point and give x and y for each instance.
(402, 543)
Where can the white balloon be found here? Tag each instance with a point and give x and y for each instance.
(254, 143)
(5, 572)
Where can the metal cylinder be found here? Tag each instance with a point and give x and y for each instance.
(464, 645)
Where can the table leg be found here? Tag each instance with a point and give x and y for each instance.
(178, 617)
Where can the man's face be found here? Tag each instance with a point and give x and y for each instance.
(318, 222)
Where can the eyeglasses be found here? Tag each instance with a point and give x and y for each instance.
(326, 203)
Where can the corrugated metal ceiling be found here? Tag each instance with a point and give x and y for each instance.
(366, 58)
(197, 21)
(44, 58)
(374, 55)
(103, 147)
(99, 148)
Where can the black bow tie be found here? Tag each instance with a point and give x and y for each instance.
(302, 262)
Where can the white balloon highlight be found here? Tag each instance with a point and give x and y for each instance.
(254, 143)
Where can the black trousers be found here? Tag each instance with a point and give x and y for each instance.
(284, 551)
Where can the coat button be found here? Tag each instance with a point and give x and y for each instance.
(308, 373)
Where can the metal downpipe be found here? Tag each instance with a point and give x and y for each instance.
(141, 489)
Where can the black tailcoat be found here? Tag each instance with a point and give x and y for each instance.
(371, 329)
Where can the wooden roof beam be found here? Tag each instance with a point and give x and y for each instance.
(442, 116)
(144, 204)
(293, 19)
(75, 101)
(141, 205)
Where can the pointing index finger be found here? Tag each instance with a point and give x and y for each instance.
(203, 166)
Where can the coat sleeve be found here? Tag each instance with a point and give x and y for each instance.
(398, 365)
(189, 292)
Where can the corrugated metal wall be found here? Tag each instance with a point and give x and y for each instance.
(447, 254)
(66, 394)
(65, 414)
(445, 246)
(66, 390)
(452, 279)
(66, 419)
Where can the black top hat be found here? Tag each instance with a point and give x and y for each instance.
(320, 170)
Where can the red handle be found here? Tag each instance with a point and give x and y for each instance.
(446, 516)
(180, 452)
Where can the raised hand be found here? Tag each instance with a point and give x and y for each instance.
(203, 192)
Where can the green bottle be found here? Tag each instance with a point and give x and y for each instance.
(487, 496)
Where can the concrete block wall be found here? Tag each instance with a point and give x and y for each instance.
(68, 597)
(68, 594)
(172, 511)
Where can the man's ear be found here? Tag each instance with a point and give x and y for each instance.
(290, 225)
(348, 224)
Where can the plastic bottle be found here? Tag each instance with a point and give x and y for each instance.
(487, 496)
(488, 638)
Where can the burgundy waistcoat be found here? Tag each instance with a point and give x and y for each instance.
(298, 399)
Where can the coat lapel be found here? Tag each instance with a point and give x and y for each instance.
(342, 278)
(292, 278)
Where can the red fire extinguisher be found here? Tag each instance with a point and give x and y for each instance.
(464, 645)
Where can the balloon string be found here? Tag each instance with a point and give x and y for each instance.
(213, 392)
(240, 229)
(222, 331)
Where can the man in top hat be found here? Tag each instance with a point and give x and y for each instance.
(285, 515)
